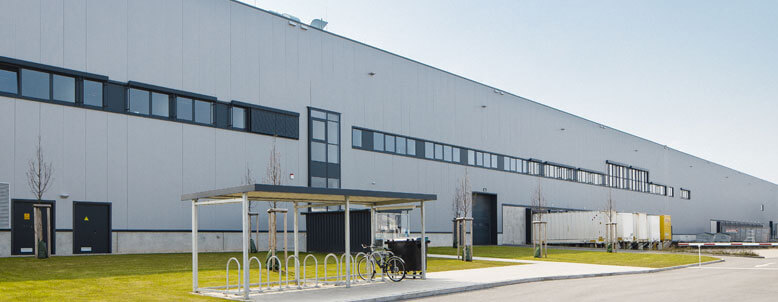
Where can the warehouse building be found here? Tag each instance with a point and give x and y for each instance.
(139, 102)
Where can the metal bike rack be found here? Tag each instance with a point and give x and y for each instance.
(280, 287)
(259, 272)
(356, 262)
(343, 266)
(337, 263)
(286, 263)
(316, 269)
(227, 287)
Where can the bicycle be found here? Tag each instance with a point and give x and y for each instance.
(392, 266)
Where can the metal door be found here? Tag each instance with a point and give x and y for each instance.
(91, 227)
(23, 226)
(484, 219)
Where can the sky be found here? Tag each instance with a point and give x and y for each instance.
(698, 76)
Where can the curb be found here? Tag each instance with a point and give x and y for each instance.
(423, 294)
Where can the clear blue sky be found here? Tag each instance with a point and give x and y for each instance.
(698, 76)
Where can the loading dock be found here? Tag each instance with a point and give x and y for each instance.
(91, 227)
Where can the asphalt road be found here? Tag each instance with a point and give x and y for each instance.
(736, 279)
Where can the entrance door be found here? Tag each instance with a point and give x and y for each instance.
(23, 227)
(91, 227)
(484, 219)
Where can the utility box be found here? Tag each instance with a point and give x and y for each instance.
(409, 250)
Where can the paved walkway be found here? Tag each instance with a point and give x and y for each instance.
(452, 281)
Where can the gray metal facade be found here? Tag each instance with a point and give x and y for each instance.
(234, 52)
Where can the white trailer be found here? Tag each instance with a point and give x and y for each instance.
(641, 227)
(625, 227)
(575, 227)
(654, 231)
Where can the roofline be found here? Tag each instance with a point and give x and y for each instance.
(308, 190)
(488, 86)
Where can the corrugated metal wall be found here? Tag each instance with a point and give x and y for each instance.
(325, 231)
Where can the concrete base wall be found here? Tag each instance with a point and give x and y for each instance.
(5, 243)
(164, 242)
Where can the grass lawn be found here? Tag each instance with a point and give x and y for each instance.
(652, 260)
(154, 277)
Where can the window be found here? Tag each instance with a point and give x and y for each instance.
(686, 194)
(332, 154)
(333, 183)
(447, 153)
(9, 81)
(139, 101)
(318, 114)
(333, 117)
(318, 152)
(203, 112)
(438, 152)
(670, 191)
(457, 157)
(471, 157)
(160, 104)
(93, 93)
(533, 168)
(401, 145)
(35, 84)
(318, 182)
(378, 141)
(428, 149)
(389, 143)
(494, 161)
(506, 165)
(184, 108)
(319, 130)
(333, 137)
(238, 118)
(356, 138)
(479, 159)
(411, 147)
(64, 88)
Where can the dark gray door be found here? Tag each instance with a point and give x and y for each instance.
(23, 226)
(484, 219)
(91, 227)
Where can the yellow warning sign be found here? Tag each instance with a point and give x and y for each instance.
(26, 216)
(86, 218)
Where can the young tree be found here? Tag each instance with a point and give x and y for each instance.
(273, 177)
(538, 226)
(39, 178)
(39, 173)
(462, 207)
(610, 226)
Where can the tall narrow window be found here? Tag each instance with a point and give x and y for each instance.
(139, 101)
(238, 118)
(471, 157)
(35, 84)
(447, 153)
(400, 145)
(93, 93)
(184, 108)
(411, 147)
(203, 112)
(160, 104)
(378, 141)
(324, 144)
(9, 80)
(356, 138)
(429, 150)
(389, 145)
(64, 88)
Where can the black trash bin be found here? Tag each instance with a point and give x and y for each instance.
(409, 250)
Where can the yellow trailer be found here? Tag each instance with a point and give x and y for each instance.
(665, 228)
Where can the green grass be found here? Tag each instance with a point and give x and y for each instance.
(652, 260)
(155, 277)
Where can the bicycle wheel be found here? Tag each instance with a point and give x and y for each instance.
(366, 268)
(395, 269)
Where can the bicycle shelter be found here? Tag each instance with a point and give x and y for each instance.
(301, 197)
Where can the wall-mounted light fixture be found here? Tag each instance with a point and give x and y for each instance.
(64, 195)
(291, 176)
(303, 27)
(371, 73)
(291, 23)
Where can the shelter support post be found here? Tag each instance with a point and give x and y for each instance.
(194, 245)
(372, 225)
(296, 247)
(348, 242)
(423, 244)
(246, 230)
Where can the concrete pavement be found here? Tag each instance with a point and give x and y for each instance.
(737, 279)
(453, 281)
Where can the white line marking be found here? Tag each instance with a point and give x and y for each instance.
(763, 265)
